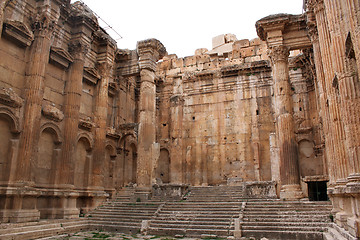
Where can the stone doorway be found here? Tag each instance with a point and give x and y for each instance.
(317, 191)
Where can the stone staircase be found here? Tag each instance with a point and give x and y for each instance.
(195, 219)
(41, 229)
(276, 219)
(216, 194)
(119, 216)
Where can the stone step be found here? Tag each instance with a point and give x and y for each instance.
(175, 222)
(33, 226)
(189, 232)
(106, 222)
(198, 218)
(287, 219)
(115, 228)
(45, 230)
(192, 226)
(300, 224)
(285, 228)
(280, 235)
(119, 215)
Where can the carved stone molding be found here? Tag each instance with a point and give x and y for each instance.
(18, 32)
(53, 113)
(91, 76)
(10, 98)
(278, 53)
(60, 57)
(86, 123)
(112, 133)
(150, 51)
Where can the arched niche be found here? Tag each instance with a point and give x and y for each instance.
(45, 166)
(109, 165)
(9, 129)
(163, 168)
(127, 150)
(82, 161)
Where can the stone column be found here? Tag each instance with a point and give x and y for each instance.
(289, 166)
(33, 94)
(149, 51)
(72, 94)
(73, 90)
(100, 116)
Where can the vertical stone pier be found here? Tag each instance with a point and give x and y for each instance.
(149, 51)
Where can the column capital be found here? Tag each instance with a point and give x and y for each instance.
(150, 51)
(104, 68)
(78, 48)
(278, 53)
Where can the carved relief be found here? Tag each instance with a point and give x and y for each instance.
(53, 113)
(278, 53)
(86, 123)
(60, 57)
(19, 32)
(10, 98)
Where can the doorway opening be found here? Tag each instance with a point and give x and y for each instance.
(317, 191)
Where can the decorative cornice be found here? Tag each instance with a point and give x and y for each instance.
(53, 113)
(91, 76)
(278, 53)
(112, 133)
(60, 57)
(10, 98)
(19, 32)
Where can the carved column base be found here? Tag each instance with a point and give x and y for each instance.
(19, 216)
(291, 192)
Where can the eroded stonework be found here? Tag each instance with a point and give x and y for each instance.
(80, 119)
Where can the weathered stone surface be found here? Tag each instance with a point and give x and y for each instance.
(80, 119)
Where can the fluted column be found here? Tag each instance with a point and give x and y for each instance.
(288, 153)
(34, 91)
(322, 93)
(73, 90)
(100, 116)
(335, 125)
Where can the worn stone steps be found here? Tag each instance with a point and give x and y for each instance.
(283, 235)
(193, 232)
(42, 229)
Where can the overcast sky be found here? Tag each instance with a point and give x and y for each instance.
(184, 26)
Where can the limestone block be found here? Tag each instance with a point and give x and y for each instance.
(177, 62)
(190, 61)
(218, 41)
(241, 43)
(255, 42)
(247, 52)
(229, 37)
(200, 51)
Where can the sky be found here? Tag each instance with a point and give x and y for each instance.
(186, 25)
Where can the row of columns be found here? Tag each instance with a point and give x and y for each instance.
(334, 32)
(82, 34)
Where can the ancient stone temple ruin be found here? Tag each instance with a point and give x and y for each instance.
(273, 120)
